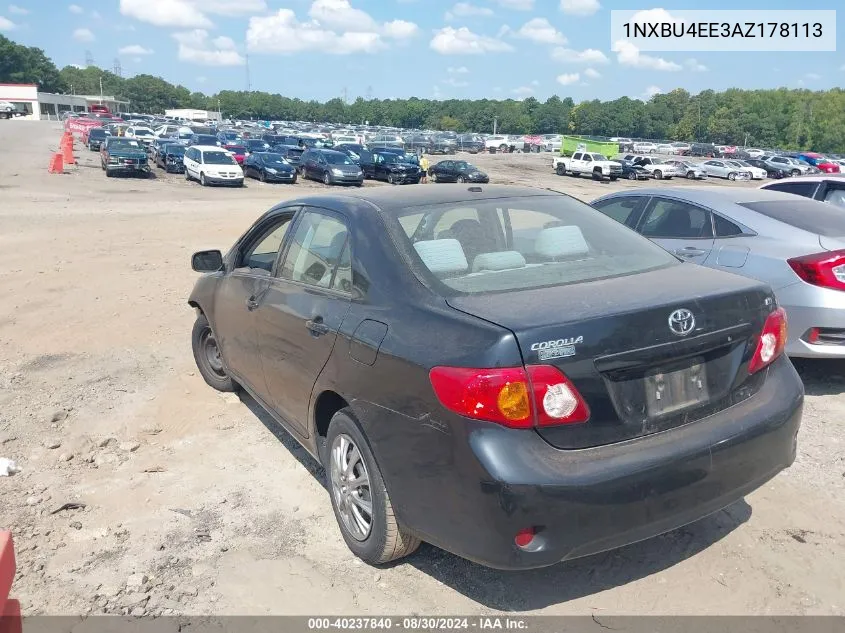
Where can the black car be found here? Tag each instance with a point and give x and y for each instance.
(255, 145)
(290, 153)
(632, 171)
(443, 144)
(706, 150)
(503, 372)
(457, 171)
(330, 167)
(204, 139)
(771, 170)
(169, 157)
(96, 137)
(269, 167)
(390, 165)
(470, 143)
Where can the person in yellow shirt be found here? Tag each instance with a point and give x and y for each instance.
(424, 165)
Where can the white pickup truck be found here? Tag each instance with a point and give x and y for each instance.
(7, 110)
(596, 165)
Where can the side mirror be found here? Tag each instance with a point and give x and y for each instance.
(207, 261)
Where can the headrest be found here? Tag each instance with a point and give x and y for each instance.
(498, 261)
(442, 256)
(561, 241)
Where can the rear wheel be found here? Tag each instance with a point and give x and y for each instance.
(795, 172)
(433, 177)
(327, 178)
(359, 497)
(691, 175)
(262, 176)
(560, 170)
(503, 148)
(658, 175)
(207, 356)
(632, 175)
(732, 176)
(461, 180)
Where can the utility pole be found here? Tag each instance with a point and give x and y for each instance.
(495, 124)
(89, 59)
(344, 93)
(248, 83)
(101, 90)
(369, 93)
(118, 69)
(219, 116)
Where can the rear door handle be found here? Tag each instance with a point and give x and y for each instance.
(689, 251)
(316, 326)
(251, 303)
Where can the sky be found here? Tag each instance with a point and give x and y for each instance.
(443, 49)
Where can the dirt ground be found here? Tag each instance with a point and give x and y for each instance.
(193, 505)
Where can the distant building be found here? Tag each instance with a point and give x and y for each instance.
(31, 104)
(188, 114)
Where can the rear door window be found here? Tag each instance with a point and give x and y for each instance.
(806, 189)
(676, 219)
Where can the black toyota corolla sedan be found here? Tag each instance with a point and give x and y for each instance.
(503, 372)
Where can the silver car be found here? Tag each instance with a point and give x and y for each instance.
(796, 167)
(688, 170)
(795, 245)
(723, 169)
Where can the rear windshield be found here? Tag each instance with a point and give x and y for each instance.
(519, 243)
(808, 215)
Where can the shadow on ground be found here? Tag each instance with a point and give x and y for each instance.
(536, 589)
(822, 377)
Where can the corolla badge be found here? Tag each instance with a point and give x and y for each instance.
(559, 348)
(681, 322)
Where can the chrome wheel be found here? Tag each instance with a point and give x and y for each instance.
(351, 488)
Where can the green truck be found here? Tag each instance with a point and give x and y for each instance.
(571, 144)
(120, 155)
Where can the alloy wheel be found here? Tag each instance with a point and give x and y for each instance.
(350, 483)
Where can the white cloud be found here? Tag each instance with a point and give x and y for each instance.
(516, 5)
(523, 91)
(196, 48)
(629, 55)
(201, 79)
(83, 35)
(540, 30)
(650, 92)
(462, 41)
(400, 29)
(6, 24)
(134, 49)
(694, 66)
(16, 10)
(813, 76)
(580, 7)
(568, 78)
(460, 70)
(654, 16)
(339, 14)
(75, 8)
(173, 13)
(592, 73)
(455, 83)
(283, 33)
(230, 7)
(96, 15)
(466, 9)
(586, 57)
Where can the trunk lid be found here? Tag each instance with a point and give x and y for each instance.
(613, 339)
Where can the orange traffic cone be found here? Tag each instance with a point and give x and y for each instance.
(67, 154)
(56, 164)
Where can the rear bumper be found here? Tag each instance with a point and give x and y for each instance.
(809, 307)
(582, 502)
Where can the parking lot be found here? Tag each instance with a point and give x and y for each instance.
(195, 504)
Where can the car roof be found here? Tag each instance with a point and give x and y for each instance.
(814, 178)
(208, 148)
(709, 196)
(392, 199)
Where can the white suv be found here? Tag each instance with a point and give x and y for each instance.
(212, 165)
(7, 110)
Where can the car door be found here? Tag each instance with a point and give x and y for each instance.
(446, 171)
(302, 310)
(238, 298)
(715, 168)
(683, 229)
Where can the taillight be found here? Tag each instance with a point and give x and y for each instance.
(821, 269)
(517, 397)
(771, 342)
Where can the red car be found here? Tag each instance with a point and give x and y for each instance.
(238, 151)
(817, 160)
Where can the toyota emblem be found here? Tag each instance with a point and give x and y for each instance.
(681, 322)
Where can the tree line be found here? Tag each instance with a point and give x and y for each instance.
(790, 119)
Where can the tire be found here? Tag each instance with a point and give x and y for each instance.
(433, 177)
(202, 179)
(690, 175)
(109, 174)
(382, 539)
(262, 176)
(658, 175)
(207, 357)
(327, 178)
(503, 148)
(187, 175)
(632, 175)
(732, 176)
(390, 179)
(613, 178)
(597, 176)
(795, 172)
(302, 172)
(293, 182)
(560, 170)
(460, 180)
